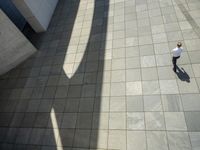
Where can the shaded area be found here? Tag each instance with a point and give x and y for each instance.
(30, 91)
(182, 74)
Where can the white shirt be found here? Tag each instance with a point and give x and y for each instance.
(177, 51)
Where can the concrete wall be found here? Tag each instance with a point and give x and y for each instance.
(14, 47)
(38, 13)
(12, 12)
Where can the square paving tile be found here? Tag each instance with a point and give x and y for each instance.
(195, 139)
(135, 121)
(136, 140)
(146, 50)
(172, 103)
(66, 135)
(134, 88)
(117, 121)
(148, 61)
(143, 40)
(86, 105)
(69, 120)
(175, 121)
(102, 104)
(196, 69)
(188, 87)
(178, 141)
(118, 64)
(117, 104)
(163, 60)
(149, 74)
(117, 139)
(82, 138)
(166, 72)
(84, 121)
(159, 38)
(194, 56)
(118, 53)
(192, 121)
(134, 103)
(133, 75)
(191, 102)
(168, 87)
(132, 51)
(99, 139)
(152, 103)
(132, 62)
(100, 121)
(150, 87)
(154, 121)
(118, 76)
(157, 140)
(118, 89)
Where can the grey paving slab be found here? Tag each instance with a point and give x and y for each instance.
(133, 75)
(132, 62)
(117, 121)
(134, 103)
(152, 103)
(135, 121)
(175, 121)
(149, 74)
(154, 121)
(191, 102)
(136, 140)
(165, 73)
(194, 137)
(168, 87)
(194, 56)
(148, 61)
(179, 141)
(114, 137)
(146, 49)
(134, 88)
(163, 60)
(79, 136)
(190, 87)
(192, 121)
(100, 121)
(172, 103)
(157, 140)
(150, 87)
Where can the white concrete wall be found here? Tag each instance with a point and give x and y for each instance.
(14, 47)
(38, 13)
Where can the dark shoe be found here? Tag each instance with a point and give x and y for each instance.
(174, 69)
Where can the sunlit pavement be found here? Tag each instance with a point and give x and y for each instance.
(102, 79)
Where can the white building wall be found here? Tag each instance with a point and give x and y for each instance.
(38, 13)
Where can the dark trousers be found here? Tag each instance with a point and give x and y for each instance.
(174, 60)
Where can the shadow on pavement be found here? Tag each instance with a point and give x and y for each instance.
(182, 74)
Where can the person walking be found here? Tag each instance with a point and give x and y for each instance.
(176, 54)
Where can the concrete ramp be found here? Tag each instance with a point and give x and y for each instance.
(14, 46)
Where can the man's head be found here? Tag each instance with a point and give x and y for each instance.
(179, 44)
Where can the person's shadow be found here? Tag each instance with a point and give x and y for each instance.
(182, 74)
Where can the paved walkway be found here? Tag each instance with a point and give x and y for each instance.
(102, 79)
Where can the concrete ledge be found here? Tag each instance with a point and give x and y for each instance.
(14, 46)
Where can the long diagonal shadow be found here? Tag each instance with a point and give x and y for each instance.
(80, 130)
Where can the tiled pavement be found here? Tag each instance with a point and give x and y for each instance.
(102, 79)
